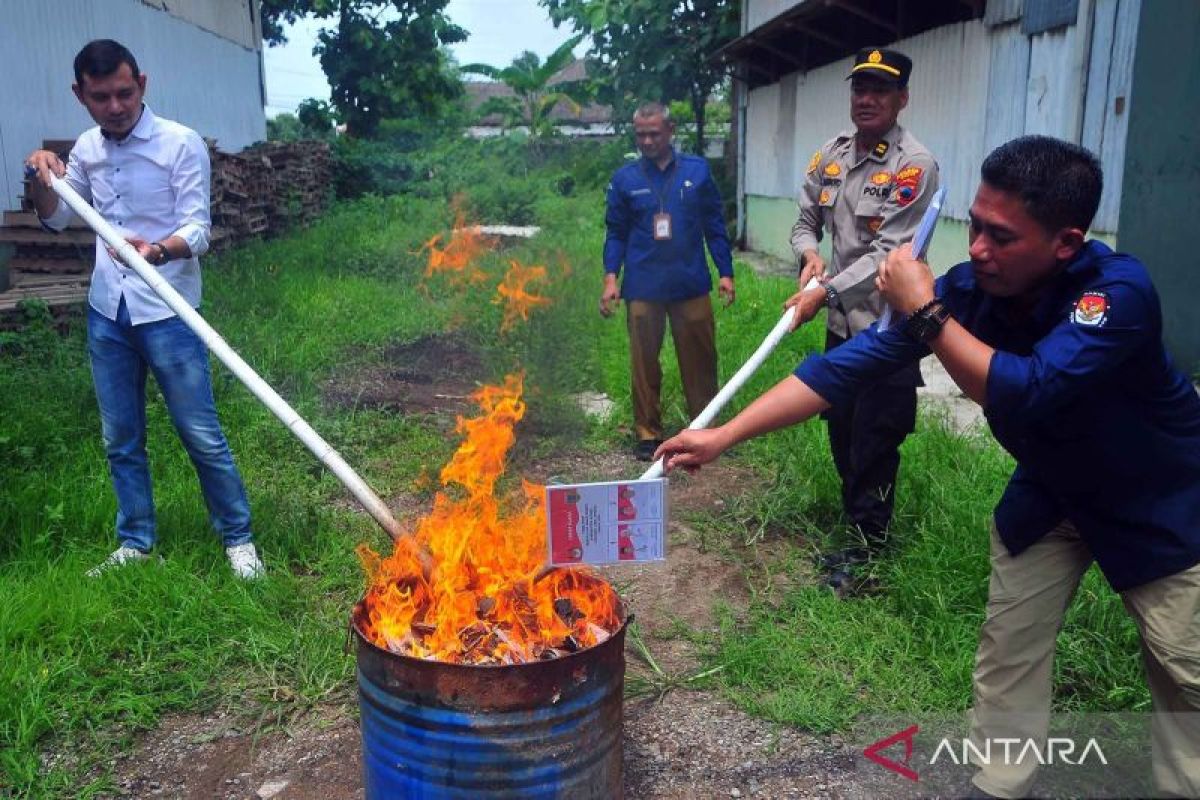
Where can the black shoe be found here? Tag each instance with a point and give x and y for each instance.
(645, 449)
(846, 584)
(846, 557)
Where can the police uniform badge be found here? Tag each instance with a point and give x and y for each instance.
(1091, 309)
(832, 169)
(813, 163)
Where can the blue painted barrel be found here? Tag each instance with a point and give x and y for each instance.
(435, 731)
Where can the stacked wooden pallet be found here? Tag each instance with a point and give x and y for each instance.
(303, 173)
(268, 188)
(41, 264)
(260, 191)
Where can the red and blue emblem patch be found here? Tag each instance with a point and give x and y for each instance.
(908, 181)
(1091, 309)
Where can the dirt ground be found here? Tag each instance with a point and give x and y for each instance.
(684, 744)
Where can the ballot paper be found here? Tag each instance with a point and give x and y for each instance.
(920, 245)
(617, 522)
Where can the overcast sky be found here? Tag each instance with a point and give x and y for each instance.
(500, 30)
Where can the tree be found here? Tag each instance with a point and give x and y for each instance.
(536, 97)
(649, 50)
(313, 120)
(382, 57)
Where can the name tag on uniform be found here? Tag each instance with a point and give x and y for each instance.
(662, 226)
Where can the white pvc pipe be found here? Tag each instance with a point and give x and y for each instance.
(738, 380)
(303, 431)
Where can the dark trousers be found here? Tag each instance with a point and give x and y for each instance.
(694, 332)
(865, 436)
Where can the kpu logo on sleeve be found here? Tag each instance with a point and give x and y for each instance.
(1091, 309)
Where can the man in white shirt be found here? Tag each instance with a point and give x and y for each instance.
(150, 178)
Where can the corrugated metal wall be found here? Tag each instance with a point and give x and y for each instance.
(975, 85)
(760, 11)
(194, 76)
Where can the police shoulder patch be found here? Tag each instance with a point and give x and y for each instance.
(908, 180)
(813, 163)
(1091, 309)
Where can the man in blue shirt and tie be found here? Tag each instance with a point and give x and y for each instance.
(662, 209)
(1059, 339)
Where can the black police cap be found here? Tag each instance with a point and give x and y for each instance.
(879, 62)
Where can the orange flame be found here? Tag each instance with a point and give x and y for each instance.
(480, 603)
(512, 294)
(458, 256)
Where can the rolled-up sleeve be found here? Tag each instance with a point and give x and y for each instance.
(191, 179)
(616, 223)
(1080, 352)
(77, 179)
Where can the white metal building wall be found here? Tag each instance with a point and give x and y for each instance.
(974, 86)
(760, 11)
(207, 82)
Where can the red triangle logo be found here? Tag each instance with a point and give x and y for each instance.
(906, 736)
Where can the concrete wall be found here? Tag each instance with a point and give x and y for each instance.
(1160, 204)
(205, 80)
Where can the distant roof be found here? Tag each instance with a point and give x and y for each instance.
(479, 92)
(813, 33)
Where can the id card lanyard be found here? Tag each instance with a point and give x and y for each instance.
(662, 220)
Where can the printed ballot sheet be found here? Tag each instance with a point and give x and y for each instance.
(607, 523)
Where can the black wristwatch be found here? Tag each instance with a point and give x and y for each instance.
(832, 298)
(924, 324)
(163, 255)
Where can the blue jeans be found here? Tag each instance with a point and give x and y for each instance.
(120, 354)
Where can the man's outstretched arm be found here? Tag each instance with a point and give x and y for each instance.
(788, 402)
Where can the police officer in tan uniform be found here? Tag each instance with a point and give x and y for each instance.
(868, 188)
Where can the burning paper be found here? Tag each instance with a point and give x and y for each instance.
(480, 603)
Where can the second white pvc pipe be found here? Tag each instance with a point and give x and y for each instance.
(739, 378)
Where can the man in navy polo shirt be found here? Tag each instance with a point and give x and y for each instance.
(662, 209)
(1060, 340)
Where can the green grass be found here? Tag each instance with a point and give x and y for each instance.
(88, 663)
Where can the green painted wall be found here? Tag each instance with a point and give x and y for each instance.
(769, 223)
(1160, 201)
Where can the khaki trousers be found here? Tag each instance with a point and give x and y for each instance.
(694, 332)
(1028, 596)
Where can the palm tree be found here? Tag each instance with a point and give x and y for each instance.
(529, 78)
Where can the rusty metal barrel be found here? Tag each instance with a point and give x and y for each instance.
(437, 731)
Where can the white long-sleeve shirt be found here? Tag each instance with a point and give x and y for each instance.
(152, 184)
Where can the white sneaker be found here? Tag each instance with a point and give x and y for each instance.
(243, 559)
(119, 557)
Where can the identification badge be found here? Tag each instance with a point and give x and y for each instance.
(662, 226)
